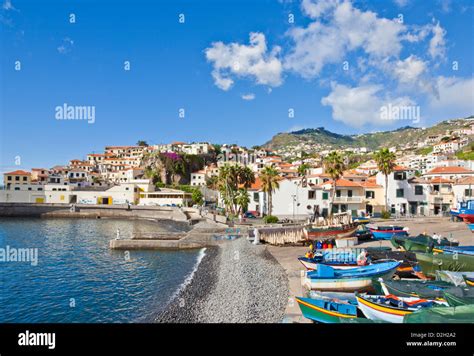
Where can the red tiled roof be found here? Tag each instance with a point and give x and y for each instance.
(448, 170)
(465, 181)
(440, 180)
(18, 173)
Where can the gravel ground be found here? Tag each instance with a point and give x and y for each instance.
(235, 283)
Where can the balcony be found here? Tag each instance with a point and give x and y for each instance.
(346, 199)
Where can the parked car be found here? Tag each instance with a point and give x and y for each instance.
(250, 215)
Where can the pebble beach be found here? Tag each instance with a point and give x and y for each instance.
(236, 282)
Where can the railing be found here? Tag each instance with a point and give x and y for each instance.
(346, 199)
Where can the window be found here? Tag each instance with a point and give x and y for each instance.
(9, 178)
(17, 188)
(40, 188)
(349, 193)
(370, 194)
(400, 175)
(338, 193)
(418, 190)
(29, 188)
(325, 195)
(436, 188)
(311, 194)
(17, 178)
(468, 192)
(400, 193)
(25, 179)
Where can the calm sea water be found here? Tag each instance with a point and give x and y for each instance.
(79, 279)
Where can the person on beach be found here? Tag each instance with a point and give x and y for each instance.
(362, 258)
(437, 237)
(256, 234)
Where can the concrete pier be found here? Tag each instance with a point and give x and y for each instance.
(196, 238)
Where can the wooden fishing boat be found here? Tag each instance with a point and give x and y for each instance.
(335, 226)
(361, 220)
(460, 314)
(327, 308)
(311, 263)
(326, 278)
(387, 232)
(414, 288)
(430, 263)
(390, 308)
(464, 250)
(330, 232)
(420, 243)
(469, 281)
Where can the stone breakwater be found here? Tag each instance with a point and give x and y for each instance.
(236, 282)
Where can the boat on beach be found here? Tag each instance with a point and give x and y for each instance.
(326, 278)
(387, 232)
(469, 281)
(311, 263)
(414, 288)
(328, 307)
(430, 263)
(336, 226)
(393, 309)
(464, 250)
(459, 314)
(421, 243)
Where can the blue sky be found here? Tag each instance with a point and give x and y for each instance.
(237, 68)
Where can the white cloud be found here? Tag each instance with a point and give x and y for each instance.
(361, 105)
(409, 70)
(345, 29)
(456, 96)
(253, 60)
(316, 8)
(249, 96)
(437, 42)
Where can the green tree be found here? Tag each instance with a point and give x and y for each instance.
(269, 177)
(334, 166)
(385, 164)
(242, 200)
(212, 182)
(231, 178)
(303, 169)
(197, 197)
(142, 143)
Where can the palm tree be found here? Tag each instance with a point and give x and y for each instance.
(303, 168)
(242, 200)
(245, 176)
(212, 182)
(334, 166)
(269, 178)
(385, 164)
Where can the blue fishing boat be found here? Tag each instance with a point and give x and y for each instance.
(328, 308)
(339, 259)
(387, 232)
(463, 250)
(326, 278)
(466, 212)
